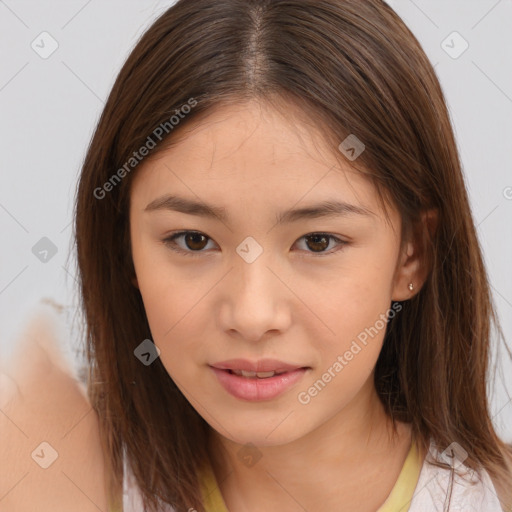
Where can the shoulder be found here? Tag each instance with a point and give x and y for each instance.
(49, 435)
(470, 491)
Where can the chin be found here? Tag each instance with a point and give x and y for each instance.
(263, 432)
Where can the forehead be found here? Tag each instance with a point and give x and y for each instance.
(249, 152)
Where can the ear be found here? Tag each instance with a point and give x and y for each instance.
(412, 265)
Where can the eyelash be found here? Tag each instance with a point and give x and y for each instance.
(170, 242)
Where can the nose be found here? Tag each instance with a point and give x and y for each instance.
(256, 300)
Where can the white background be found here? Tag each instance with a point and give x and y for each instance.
(49, 108)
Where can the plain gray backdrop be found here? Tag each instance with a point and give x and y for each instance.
(59, 60)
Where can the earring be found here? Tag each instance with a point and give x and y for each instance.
(411, 287)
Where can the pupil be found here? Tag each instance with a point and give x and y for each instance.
(318, 240)
(191, 239)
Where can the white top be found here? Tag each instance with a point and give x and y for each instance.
(471, 491)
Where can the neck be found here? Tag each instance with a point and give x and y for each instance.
(339, 458)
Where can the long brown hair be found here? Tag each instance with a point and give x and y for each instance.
(352, 67)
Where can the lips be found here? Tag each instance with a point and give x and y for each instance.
(258, 386)
(264, 379)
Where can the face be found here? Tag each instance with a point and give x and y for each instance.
(227, 273)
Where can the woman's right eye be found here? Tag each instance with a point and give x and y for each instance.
(194, 241)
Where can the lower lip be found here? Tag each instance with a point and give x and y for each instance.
(255, 389)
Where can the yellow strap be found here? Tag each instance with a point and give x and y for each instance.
(210, 492)
(401, 495)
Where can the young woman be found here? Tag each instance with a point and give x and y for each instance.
(286, 302)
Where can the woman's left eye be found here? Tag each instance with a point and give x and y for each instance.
(321, 241)
(195, 242)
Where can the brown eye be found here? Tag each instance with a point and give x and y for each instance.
(320, 243)
(317, 243)
(195, 241)
(190, 243)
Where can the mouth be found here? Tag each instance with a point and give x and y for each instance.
(252, 385)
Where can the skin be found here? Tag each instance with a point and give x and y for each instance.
(42, 401)
(291, 304)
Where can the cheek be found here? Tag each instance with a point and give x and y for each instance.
(353, 304)
(347, 357)
(166, 291)
(175, 309)
(170, 307)
(173, 330)
(355, 309)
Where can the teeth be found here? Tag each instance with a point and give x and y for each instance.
(260, 375)
(264, 375)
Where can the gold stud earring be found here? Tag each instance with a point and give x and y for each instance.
(411, 287)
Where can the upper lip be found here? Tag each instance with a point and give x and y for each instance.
(261, 365)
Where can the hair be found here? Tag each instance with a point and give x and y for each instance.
(350, 67)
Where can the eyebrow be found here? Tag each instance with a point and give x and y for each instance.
(329, 208)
